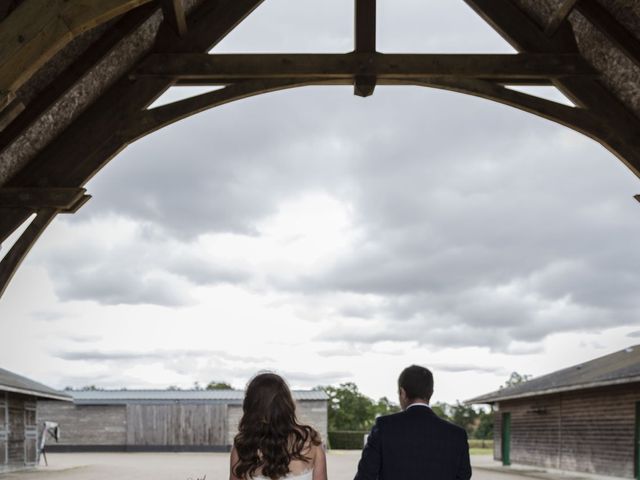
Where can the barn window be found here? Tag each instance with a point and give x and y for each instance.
(30, 417)
(3, 416)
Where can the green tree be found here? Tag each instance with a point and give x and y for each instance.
(386, 407)
(484, 430)
(441, 409)
(515, 379)
(464, 416)
(349, 409)
(218, 386)
(173, 388)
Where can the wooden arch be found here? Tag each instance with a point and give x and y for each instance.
(53, 180)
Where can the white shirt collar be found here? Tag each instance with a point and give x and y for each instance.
(419, 404)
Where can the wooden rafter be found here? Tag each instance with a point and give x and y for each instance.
(40, 28)
(39, 198)
(609, 25)
(95, 135)
(65, 81)
(173, 11)
(226, 68)
(560, 16)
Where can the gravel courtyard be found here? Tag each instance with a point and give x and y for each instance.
(177, 466)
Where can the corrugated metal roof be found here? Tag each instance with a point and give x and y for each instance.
(12, 382)
(94, 397)
(616, 368)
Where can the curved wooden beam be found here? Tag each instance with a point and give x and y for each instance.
(148, 121)
(579, 119)
(576, 118)
(592, 124)
(14, 257)
(38, 29)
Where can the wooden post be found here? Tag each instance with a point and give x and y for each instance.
(365, 39)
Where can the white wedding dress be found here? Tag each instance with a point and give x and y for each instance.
(307, 475)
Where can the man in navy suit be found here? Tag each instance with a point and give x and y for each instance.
(415, 444)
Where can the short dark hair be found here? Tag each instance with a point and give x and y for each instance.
(417, 382)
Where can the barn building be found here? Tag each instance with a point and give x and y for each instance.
(162, 420)
(18, 418)
(584, 418)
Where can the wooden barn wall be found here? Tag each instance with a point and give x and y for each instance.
(4, 428)
(86, 424)
(176, 424)
(314, 413)
(589, 431)
(18, 429)
(234, 414)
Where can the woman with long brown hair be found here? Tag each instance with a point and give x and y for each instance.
(271, 443)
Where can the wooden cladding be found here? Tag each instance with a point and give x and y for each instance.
(176, 424)
(138, 425)
(4, 418)
(18, 429)
(591, 431)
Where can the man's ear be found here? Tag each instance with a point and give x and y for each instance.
(402, 393)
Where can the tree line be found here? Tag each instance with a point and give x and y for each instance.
(351, 410)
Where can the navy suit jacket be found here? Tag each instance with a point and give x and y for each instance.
(415, 445)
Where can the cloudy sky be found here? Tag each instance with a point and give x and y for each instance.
(334, 238)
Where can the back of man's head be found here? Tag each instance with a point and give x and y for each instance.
(417, 382)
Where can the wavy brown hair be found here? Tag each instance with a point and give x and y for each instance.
(270, 436)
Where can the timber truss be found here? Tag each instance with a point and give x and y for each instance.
(52, 181)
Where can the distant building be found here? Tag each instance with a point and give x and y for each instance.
(583, 418)
(19, 418)
(162, 420)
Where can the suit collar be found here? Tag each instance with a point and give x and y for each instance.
(422, 409)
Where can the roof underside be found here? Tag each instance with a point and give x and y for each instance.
(11, 382)
(618, 368)
(76, 79)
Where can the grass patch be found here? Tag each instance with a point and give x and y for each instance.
(481, 451)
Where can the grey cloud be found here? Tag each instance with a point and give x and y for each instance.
(340, 352)
(460, 368)
(49, 315)
(635, 334)
(84, 338)
(147, 268)
(313, 379)
(162, 355)
(113, 287)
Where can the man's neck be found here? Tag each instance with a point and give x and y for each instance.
(418, 403)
